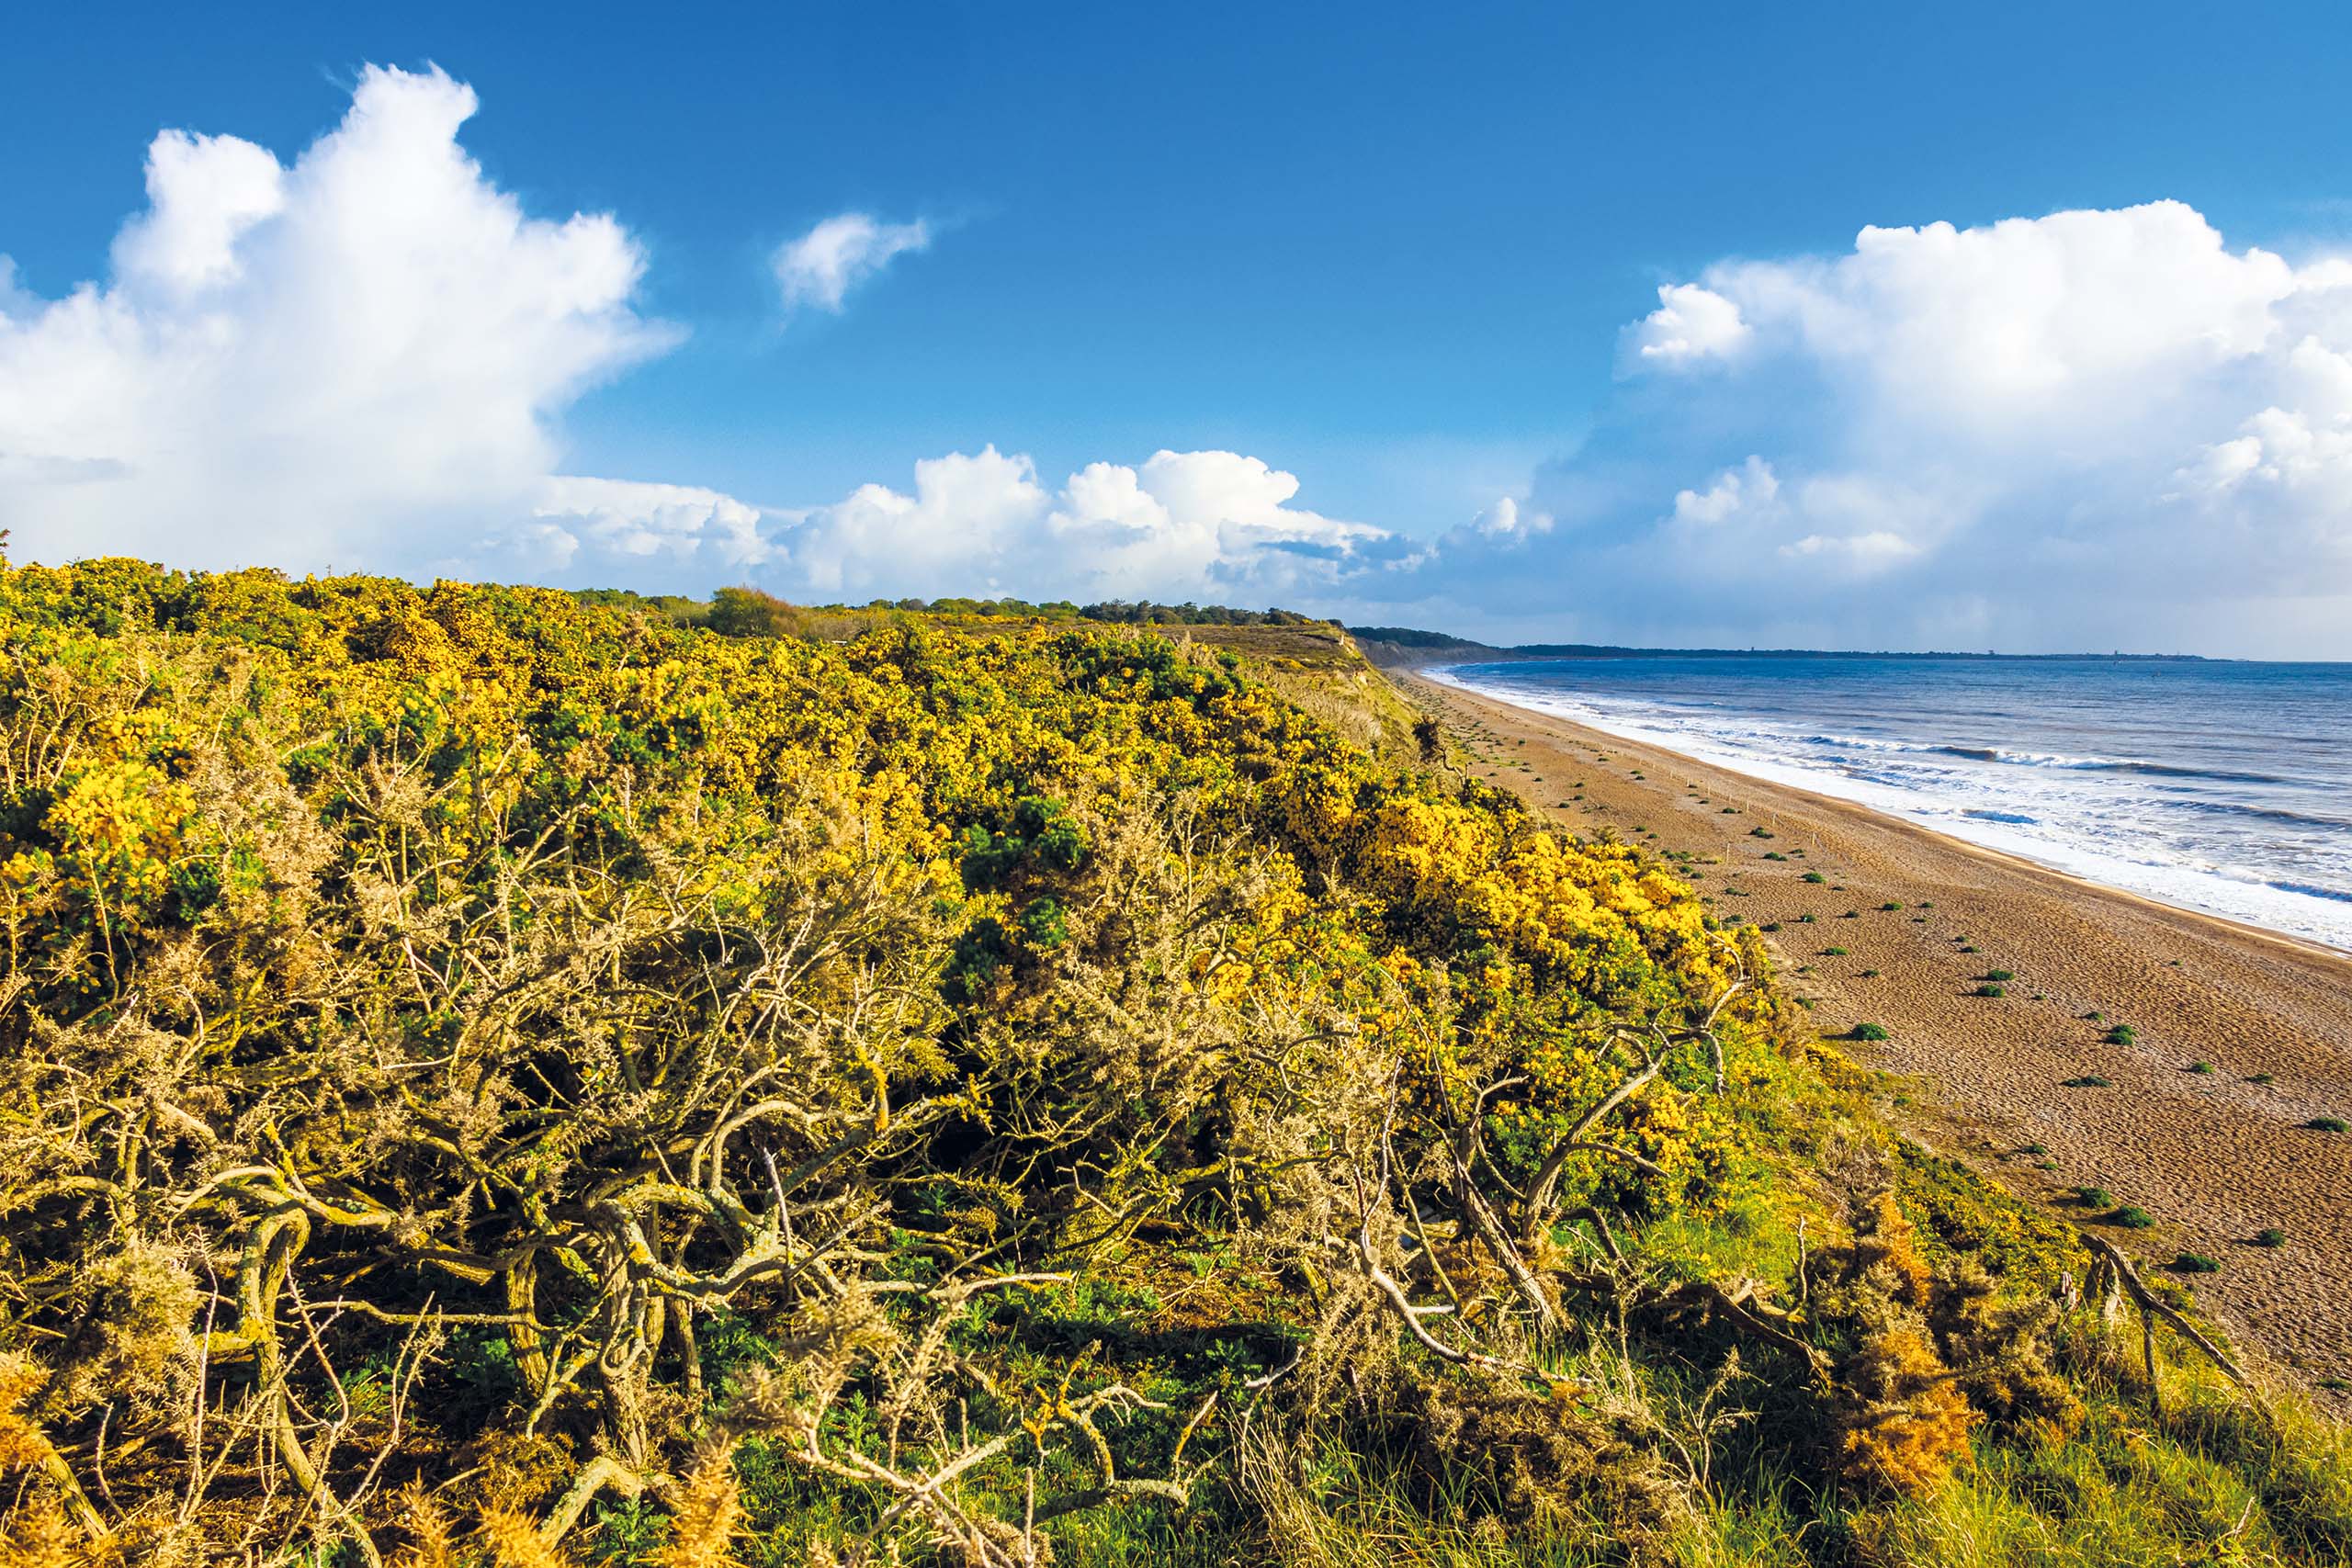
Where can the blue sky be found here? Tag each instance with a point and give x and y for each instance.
(1405, 254)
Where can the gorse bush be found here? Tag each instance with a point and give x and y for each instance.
(488, 1069)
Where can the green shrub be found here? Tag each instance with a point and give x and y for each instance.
(1990, 989)
(2201, 1067)
(2329, 1124)
(1998, 975)
(2195, 1263)
(1833, 952)
(2270, 1236)
(1889, 906)
(2088, 1081)
(2123, 1034)
(2132, 1218)
(1869, 1031)
(1813, 876)
(2094, 1198)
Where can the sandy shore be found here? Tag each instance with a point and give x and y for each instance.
(2217, 1156)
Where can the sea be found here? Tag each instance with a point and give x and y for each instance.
(2216, 785)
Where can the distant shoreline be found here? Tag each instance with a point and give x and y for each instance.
(1902, 932)
(2083, 863)
(1404, 645)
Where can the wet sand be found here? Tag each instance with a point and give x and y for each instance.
(2216, 1156)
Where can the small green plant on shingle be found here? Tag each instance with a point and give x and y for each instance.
(1870, 973)
(1851, 915)
(1998, 975)
(2329, 1124)
(2201, 1067)
(1813, 876)
(1770, 926)
(2032, 1149)
(1833, 952)
(2088, 1081)
(2045, 1165)
(2195, 1263)
(1774, 854)
(2123, 1034)
(2261, 1078)
(1926, 903)
(1804, 919)
(2094, 1017)
(2094, 1198)
(1869, 1031)
(2270, 1236)
(1890, 906)
(2132, 1218)
(1968, 947)
(1990, 989)
(1760, 833)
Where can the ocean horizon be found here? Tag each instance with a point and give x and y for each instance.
(2215, 786)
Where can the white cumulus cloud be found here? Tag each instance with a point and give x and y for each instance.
(818, 270)
(359, 359)
(1689, 324)
(1179, 524)
(2094, 429)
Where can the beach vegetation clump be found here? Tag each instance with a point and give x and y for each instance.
(1889, 906)
(2094, 1197)
(1998, 976)
(2132, 1218)
(2270, 1235)
(2328, 1124)
(1813, 876)
(1833, 952)
(1990, 988)
(496, 1075)
(2201, 1067)
(2087, 1080)
(2195, 1263)
(1873, 1032)
(2123, 1034)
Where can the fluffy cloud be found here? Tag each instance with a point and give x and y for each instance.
(818, 270)
(359, 359)
(2092, 429)
(1199, 525)
(1689, 324)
